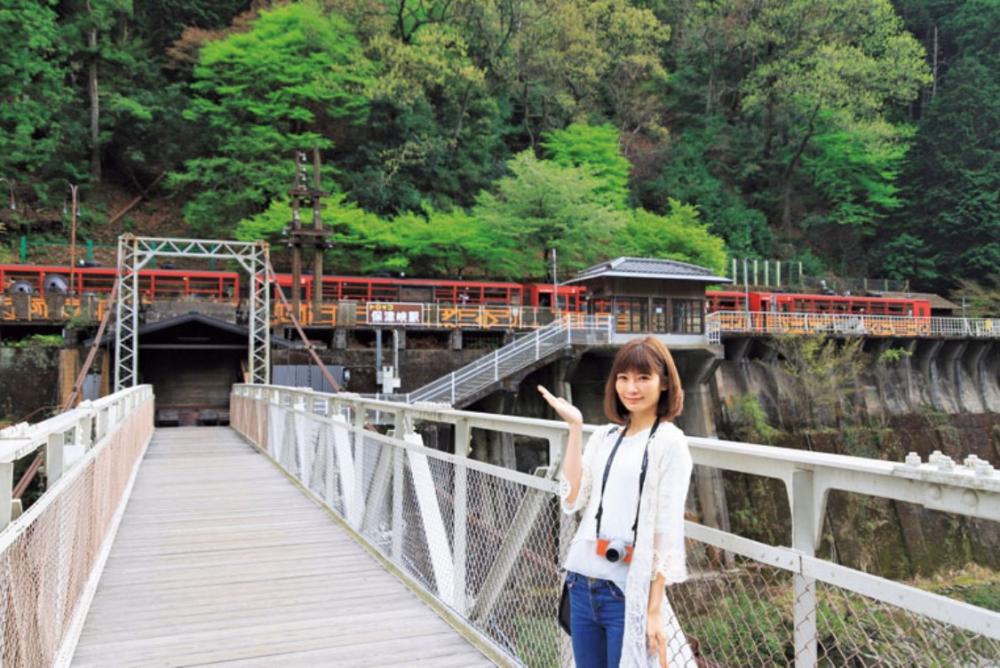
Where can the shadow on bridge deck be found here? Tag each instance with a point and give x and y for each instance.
(221, 560)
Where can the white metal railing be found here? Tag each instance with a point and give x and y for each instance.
(52, 555)
(485, 542)
(764, 322)
(496, 366)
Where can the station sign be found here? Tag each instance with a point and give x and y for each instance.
(391, 313)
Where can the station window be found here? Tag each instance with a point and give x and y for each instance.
(687, 316)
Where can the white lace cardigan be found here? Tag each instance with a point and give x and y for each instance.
(659, 541)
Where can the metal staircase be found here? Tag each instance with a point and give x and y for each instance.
(473, 381)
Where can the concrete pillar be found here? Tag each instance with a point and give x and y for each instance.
(69, 368)
(951, 381)
(697, 369)
(455, 339)
(926, 356)
(340, 338)
(972, 362)
(500, 445)
(105, 373)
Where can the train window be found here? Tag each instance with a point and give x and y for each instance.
(495, 295)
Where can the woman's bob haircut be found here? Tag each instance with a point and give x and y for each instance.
(645, 355)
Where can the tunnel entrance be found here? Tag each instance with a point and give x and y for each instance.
(192, 361)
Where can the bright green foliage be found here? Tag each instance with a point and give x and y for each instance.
(32, 94)
(440, 243)
(596, 148)
(855, 175)
(431, 243)
(545, 205)
(678, 235)
(263, 94)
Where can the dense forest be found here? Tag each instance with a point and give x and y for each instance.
(470, 137)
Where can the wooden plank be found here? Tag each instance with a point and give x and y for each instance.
(220, 560)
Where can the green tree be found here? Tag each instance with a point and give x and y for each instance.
(824, 66)
(953, 176)
(434, 133)
(97, 37)
(292, 81)
(689, 174)
(678, 235)
(544, 205)
(33, 97)
(596, 148)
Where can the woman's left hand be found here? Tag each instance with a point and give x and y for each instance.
(657, 637)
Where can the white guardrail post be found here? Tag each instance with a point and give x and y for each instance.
(801, 499)
(463, 442)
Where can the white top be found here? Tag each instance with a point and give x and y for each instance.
(620, 506)
(659, 548)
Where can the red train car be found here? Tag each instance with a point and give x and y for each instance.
(780, 302)
(434, 291)
(159, 283)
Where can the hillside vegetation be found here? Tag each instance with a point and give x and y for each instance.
(470, 137)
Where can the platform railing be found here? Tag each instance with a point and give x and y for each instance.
(494, 367)
(52, 555)
(483, 543)
(764, 322)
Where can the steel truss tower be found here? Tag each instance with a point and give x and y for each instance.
(134, 253)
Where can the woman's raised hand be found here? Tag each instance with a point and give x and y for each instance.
(567, 411)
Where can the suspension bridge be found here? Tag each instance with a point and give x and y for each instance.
(324, 530)
(302, 536)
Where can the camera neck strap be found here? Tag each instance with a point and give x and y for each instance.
(642, 478)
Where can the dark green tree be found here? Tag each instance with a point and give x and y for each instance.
(34, 140)
(952, 220)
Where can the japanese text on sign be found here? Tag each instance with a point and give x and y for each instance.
(384, 313)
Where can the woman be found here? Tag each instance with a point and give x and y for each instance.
(630, 483)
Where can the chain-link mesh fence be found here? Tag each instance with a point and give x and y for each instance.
(49, 553)
(487, 542)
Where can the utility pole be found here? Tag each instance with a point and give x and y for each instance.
(72, 239)
(555, 284)
(316, 236)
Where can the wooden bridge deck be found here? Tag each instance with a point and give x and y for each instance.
(221, 561)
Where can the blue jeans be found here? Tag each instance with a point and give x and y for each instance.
(597, 621)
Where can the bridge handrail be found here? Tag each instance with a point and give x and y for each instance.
(52, 555)
(970, 489)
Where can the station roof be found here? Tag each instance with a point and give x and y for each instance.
(644, 267)
(200, 320)
(937, 301)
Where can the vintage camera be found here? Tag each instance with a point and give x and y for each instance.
(614, 550)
